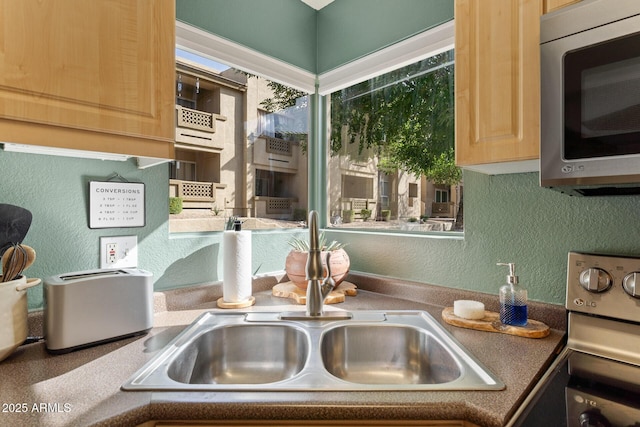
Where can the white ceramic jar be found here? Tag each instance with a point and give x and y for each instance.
(13, 314)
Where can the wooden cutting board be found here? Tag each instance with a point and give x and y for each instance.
(491, 323)
(289, 290)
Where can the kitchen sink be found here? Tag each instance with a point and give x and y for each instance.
(387, 354)
(242, 354)
(371, 350)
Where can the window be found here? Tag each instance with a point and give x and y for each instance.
(413, 190)
(442, 196)
(183, 170)
(384, 187)
(239, 151)
(377, 157)
(392, 148)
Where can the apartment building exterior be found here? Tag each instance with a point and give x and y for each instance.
(234, 158)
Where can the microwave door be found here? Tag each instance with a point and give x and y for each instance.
(602, 99)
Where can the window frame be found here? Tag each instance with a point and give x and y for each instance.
(423, 45)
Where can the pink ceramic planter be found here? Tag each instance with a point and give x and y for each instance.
(296, 262)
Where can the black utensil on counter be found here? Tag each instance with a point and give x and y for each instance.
(14, 224)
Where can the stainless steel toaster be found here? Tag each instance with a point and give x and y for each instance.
(92, 307)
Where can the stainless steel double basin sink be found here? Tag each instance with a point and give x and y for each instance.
(372, 350)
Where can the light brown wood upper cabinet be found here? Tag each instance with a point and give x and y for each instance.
(89, 75)
(551, 5)
(497, 84)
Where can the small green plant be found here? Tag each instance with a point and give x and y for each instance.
(424, 217)
(413, 219)
(216, 210)
(299, 214)
(348, 215)
(386, 214)
(230, 222)
(302, 245)
(175, 205)
(365, 214)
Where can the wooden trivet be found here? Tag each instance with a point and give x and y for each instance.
(491, 323)
(290, 290)
(248, 303)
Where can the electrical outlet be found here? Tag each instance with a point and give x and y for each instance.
(118, 251)
(112, 253)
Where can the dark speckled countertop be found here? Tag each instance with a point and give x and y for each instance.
(83, 388)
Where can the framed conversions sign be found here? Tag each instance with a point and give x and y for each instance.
(116, 204)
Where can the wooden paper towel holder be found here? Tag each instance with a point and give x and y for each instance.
(242, 304)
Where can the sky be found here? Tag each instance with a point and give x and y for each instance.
(200, 60)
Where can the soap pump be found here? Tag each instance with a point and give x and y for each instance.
(513, 299)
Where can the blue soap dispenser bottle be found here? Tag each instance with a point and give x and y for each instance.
(513, 299)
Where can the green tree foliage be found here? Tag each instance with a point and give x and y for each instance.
(406, 116)
(283, 97)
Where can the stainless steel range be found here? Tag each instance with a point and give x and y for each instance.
(595, 381)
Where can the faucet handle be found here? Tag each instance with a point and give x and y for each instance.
(328, 283)
(327, 259)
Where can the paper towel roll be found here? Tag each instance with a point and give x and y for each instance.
(236, 262)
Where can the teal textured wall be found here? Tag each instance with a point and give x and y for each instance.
(283, 29)
(508, 218)
(55, 190)
(351, 29)
(316, 41)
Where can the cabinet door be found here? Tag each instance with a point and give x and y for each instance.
(92, 75)
(497, 81)
(551, 5)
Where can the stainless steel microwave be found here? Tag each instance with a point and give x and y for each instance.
(590, 98)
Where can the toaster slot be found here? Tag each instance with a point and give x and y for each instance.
(92, 274)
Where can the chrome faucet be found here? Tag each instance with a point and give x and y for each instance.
(317, 287)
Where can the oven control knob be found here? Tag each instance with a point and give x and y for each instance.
(593, 418)
(631, 284)
(595, 280)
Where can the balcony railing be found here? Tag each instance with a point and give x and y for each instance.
(194, 119)
(278, 146)
(443, 210)
(197, 128)
(354, 205)
(276, 154)
(274, 207)
(196, 194)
